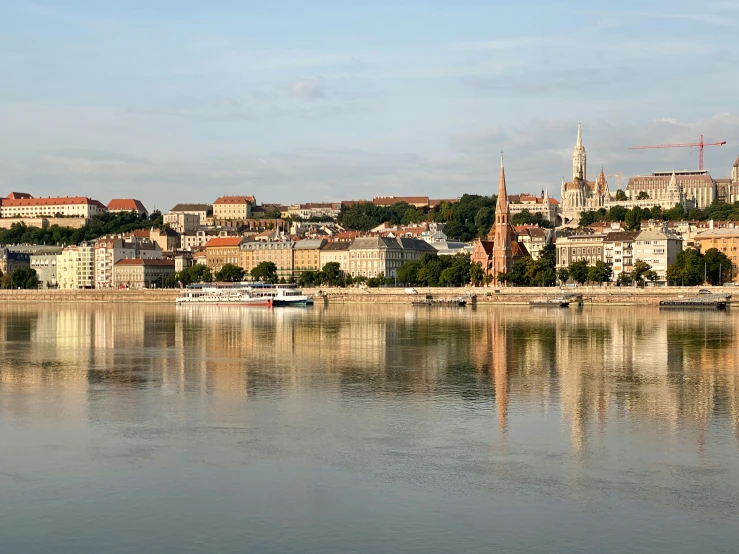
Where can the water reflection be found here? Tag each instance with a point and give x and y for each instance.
(591, 365)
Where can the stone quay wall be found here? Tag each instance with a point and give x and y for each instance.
(502, 296)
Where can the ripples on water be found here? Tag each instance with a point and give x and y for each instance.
(368, 429)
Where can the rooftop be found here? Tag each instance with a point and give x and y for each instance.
(224, 241)
(143, 262)
(235, 200)
(190, 208)
(126, 204)
(52, 201)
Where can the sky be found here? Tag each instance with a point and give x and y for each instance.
(308, 100)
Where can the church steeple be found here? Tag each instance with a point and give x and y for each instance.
(579, 158)
(502, 206)
(502, 252)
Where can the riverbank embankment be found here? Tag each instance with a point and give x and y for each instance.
(626, 296)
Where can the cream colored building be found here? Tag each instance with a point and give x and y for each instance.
(141, 274)
(203, 211)
(76, 267)
(279, 253)
(336, 252)
(67, 206)
(182, 222)
(659, 248)
(233, 207)
(110, 250)
(372, 256)
(618, 251)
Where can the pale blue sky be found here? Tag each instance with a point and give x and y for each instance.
(327, 100)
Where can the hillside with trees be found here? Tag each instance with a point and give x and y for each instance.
(98, 226)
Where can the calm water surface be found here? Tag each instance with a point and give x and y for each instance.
(368, 429)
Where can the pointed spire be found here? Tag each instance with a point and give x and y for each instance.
(502, 204)
(579, 135)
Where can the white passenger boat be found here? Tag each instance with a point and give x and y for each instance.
(281, 295)
(213, 296)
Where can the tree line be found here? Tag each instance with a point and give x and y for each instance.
(472, 216)
(633, 217)
(99, 225)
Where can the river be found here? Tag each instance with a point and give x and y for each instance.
(362, 428)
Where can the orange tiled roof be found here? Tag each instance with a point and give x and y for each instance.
(224, 241)
(52, 201)
(125, 204)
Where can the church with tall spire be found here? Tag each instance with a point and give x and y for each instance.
(497, 254)
(580, 195)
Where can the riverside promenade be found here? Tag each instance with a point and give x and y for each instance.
(485, 295)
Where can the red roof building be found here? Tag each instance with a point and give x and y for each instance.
(23, 205)
(127, 205)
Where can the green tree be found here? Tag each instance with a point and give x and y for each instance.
(640, 271)
(717, 266)
(600, 272)
(620, 195)
(264, 271)
(690, 267)
(198, 273)
(521, 271)
(408, 273)
(332, 274)
(488, 278)
(633, 219)
(23, 278)
(673, 275)
(477, 274)
(617, 213)
(643, 195)
(563, 274)
(579, 271)
(230, 273)
(588, 218)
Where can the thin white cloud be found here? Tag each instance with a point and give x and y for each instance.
(309, 88)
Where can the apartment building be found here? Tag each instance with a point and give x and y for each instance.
(307, 255)
(110, 250)
(202, 211)
(45, 262)
(336, 252)
(223, 250)
(579, 247)
(372, 256)
(279, 253)
(182, 222)
(618, 251)
(315, 209)
(76, 267)
(142, 274)
(659, 248)
(724, 240)
(198, 239)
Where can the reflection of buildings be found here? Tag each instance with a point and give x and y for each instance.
(591, 367)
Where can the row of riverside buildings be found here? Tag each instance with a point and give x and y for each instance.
(236, 229)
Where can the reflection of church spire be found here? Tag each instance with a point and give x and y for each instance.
(499, 368)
